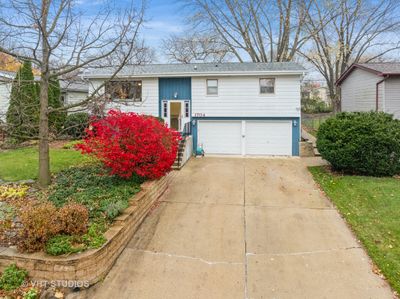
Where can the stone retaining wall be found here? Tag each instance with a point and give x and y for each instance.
(92, 265)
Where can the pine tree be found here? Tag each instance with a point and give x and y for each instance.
(23, 111)
(56, 119)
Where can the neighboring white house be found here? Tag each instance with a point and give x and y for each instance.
(71, 92)
(371, 87)
(5, 90)
(229, 108)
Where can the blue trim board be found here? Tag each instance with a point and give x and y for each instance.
(295, 128)
(173, 89)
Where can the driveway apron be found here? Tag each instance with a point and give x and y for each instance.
(243, 228)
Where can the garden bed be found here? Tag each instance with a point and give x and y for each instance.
(92, 265)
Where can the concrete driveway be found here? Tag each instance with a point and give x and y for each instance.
(243, 228)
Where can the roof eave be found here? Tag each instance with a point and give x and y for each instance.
(354, 66)
(198, 74)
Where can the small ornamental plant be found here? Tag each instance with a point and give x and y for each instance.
(128, 144)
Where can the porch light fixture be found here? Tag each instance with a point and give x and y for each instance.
(175, 94)
(295, 123)
(193, 122)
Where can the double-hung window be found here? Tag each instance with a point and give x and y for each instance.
(212, 87)
(267, 85)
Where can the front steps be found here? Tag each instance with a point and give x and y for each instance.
(179, 155)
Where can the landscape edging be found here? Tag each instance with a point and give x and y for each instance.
(92, 265)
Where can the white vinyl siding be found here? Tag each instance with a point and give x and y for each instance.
(246, 137)
(358, 91)
(392, 96)
(149, 104)
(5, 90)
(240, 96)
(73, 97)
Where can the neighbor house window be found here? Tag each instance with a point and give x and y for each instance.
(212, 87)
(267, 85)
(124, 90)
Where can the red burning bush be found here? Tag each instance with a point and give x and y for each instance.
(129, 143)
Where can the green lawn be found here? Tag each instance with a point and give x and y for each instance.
(372, 208)
(22, 164)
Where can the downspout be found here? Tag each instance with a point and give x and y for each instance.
(377, 92)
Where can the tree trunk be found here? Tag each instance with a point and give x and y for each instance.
(44, 157)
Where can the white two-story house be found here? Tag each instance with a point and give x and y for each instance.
(228, 108)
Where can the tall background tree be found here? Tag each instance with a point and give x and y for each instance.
(255, 30)
(195, 47)
(60, 39)
(329, 34)
(349, 31)
(23, 111)
(56, 118)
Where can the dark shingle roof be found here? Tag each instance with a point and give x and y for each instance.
(197, 69)
(80, 86)
(380, 69)
(384, 68)
(66, 85)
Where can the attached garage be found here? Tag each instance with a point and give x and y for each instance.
(246, 137)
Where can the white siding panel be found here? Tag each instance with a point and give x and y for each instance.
(359, 91)
(73, 97)
(5, 90)
(392, 96)
(148, 106)
(269, 138)
(239, 96)
(220, 137)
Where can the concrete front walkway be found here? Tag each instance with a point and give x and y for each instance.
(243, 228)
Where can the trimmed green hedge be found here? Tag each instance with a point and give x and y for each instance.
(366, 143)
(75, 124)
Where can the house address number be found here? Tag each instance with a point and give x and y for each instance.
(199, 115)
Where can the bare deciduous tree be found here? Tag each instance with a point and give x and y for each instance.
(195, 47)
(60, 39)
(263, 30)
(348, 31)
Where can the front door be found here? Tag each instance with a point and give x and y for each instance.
(176, 114)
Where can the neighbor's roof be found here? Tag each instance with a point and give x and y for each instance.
(198, 69)
(79, 86)
(380, 69)
(7, 74)
(73, 85)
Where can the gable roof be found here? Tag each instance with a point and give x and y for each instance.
(65, 85)
(7, 75)
(197, 69)
(380, 69)
(76, 85)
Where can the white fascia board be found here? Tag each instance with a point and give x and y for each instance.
(191, 74)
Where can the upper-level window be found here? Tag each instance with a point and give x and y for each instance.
(124, 90)
(212, 86)
(267, 85)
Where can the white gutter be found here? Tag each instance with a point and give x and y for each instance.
(196, 74)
